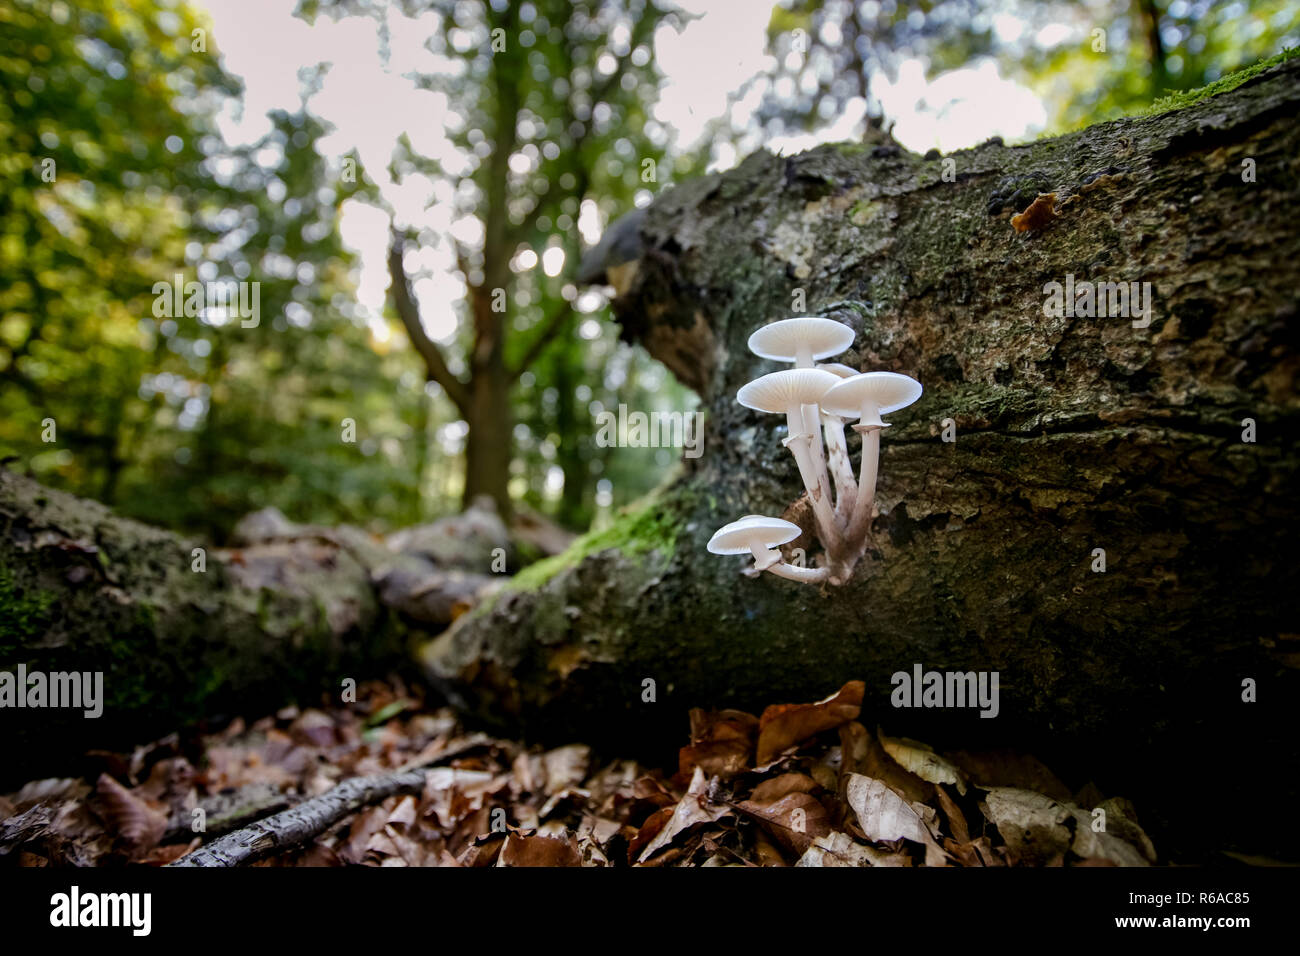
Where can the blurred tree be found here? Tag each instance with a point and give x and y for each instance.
(93, 127)
(826, 51)
(547, 105)
(1111, 57)
(1088, 60)
(116, 178)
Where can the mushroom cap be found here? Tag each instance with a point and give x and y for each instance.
(838, 368)
(782, 339)
(889, 391)
(740, 536)
(777, 391)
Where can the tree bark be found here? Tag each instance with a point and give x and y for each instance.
(1072, 434)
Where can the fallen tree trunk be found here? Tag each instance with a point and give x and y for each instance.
(181, 633)
(1170, 446)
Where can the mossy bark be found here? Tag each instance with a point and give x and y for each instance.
(1072, 434)
(84, 590)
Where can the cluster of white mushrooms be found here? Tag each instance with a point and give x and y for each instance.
(818, 400)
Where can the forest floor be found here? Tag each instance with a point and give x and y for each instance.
(803, 784)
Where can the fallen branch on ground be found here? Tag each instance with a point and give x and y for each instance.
(298, 824)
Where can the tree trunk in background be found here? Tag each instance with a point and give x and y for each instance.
(487, 446)
(1073, 434)
(573, 508)
(1148, 22)
(491, 424)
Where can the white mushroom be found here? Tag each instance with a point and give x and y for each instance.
(838, 368)
(759, 535)
(869, 396)
(818, 400)
(801, 340)
(796, 392)
(837, 451)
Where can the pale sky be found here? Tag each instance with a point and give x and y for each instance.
(371, 105)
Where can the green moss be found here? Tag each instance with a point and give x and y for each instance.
(863, 211)
(652, 528)
(22, 613)
(1176, 101)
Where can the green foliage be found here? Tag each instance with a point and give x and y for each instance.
(1152, 48)
(187, 420)
(1088, 60)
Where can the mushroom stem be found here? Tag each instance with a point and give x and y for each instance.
(857, 533)
(837, 451)
(819, 497)
(803, 356)
(764, 557)
(802, 575)
(812, 419)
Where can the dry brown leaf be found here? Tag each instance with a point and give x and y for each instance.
(162, 855)
(1122, 842)
(1007, 768)
(769, 791)
(570, 797)
(482, 852)
(963, 853)
(404, 814)
(25, 827)
(883, 815)
(957, 824)
(721, 743)
(315, 728)
(1037, 828)
(650, 829)
(1031, 824)
(840, 850)
(793, 820)
(538, 850)
(139, 825)
(365, 824)
(784, 725)
(987, 853)
(1122, 821)
(694, 809)
(768, 853)
(861, 753)
(921, 760)
(566, 767)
